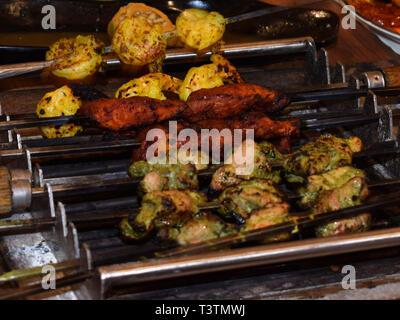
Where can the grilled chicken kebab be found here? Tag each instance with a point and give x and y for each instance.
(246, 202)
(216, 103)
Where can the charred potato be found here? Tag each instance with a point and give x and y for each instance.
(75, 58)
(200, 29)
(152, 15)
(60, 102)
(212, 75)
(150, 85)
(138, 42)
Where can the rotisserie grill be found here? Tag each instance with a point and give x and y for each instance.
(109, 223)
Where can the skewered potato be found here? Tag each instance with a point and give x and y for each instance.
(199, 29)
(212, 75)
(150, 85)
(75, 58)
(60, 102)
(138, 42)
(153, 15)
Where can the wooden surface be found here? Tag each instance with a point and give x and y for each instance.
(359, 45)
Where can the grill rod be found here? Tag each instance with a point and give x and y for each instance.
(180, 55)
(63, 150)
(306, 220)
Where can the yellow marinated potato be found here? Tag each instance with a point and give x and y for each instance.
(150, 85)
(76, 58)
(134, 9)
(200, 29)
(211, 75)
(138, 42)
(60, 102)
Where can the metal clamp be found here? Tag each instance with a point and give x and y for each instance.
(374, 79)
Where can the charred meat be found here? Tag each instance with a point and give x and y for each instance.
(256, 166)
(159, 177)
(326, 153)
(159, 209)
(232, 100)
(203, 226)
(121, 114)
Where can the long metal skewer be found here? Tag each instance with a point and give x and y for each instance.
(174, 56)
(313, 122)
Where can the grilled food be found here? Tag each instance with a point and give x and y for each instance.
(75, 58)
(159, 209)
(234, 172)
(232, 100)
(239, 201)
(203, 226)
(60, 102)
(350, 194)
(211, 75)
(358, 223)
(121, 114)
(334, 190)
(263, 126)
(217, 103)
(330, 180)
(150, 85)
(255, 204)
(200, 29)
(138, 42)
(326, 153)
(159, 177)
(153, 15)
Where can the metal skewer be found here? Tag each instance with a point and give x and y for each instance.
(173, 56)
(313, 121)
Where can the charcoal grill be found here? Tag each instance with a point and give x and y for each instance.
(65, 202)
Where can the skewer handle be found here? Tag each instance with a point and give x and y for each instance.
(15, 190)
(12, 70)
